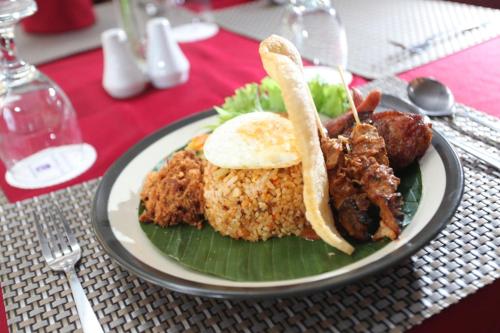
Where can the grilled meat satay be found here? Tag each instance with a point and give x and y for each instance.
(406, 136)
(360, 178)
(354, 219)
(351, 204)
(380, 185)
(349, 201)
(368, 165)
(365, 141)
(363, 174)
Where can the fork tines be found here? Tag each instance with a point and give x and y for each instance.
(54, 233)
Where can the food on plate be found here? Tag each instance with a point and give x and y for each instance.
(273, 174)
(407, 136)
(174, 194)
(343, 124)
(255, 204)
(252, 180)
(360, 179)
(283, 63)
(330, 99)
(256, 140)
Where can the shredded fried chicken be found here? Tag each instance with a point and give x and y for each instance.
(174, 194)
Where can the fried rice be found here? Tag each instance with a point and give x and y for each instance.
(255, 204)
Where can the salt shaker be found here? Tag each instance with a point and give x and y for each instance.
(167, 65)
(122, 76)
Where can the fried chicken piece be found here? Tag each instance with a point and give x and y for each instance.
(406, 136)
(174, 194)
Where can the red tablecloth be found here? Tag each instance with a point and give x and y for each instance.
(218, 66)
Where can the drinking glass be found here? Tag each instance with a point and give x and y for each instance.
(317, 32)
(40, 141)
(201, 27)
(133, 16)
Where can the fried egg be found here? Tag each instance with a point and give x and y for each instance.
(256, 140)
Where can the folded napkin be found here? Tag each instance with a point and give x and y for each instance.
(55, 16)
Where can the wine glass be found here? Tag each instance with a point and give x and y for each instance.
(133, 16)
(202, 25)
(40, 141)
(316, 30)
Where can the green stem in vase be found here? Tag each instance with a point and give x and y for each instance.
(129, 24)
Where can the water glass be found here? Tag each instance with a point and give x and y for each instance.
(316, 30)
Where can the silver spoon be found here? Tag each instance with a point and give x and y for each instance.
(436, 100)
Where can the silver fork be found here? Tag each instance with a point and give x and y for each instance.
(62, 251)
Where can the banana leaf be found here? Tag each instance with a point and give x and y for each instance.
(208, 252)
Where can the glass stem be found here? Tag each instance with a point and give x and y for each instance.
(15, 70)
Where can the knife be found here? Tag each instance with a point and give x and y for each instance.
(476, 152)
(420, 47)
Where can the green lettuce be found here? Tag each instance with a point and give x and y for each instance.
(330, 99)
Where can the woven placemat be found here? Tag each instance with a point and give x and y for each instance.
(462, 259)
(371, 24)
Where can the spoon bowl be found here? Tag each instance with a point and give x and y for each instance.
(436, 100)
(432, 96)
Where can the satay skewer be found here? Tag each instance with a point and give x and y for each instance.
(349, 96)
(321, 129)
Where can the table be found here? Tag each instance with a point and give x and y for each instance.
(112, 126)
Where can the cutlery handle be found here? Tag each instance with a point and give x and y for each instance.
(477, 152)
(478, 120)
(88, 319)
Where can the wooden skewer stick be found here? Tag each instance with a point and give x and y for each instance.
(349, 96)
(321, 128)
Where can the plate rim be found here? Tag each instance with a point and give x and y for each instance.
(102, 229)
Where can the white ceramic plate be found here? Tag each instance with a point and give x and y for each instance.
(117, 227)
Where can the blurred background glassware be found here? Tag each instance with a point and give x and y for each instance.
(133, 16)
(131, 19)
(316, 30)
(201, 27)
(40, 141)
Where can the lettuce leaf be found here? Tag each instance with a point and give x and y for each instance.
(330, 100)
(270, 96)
